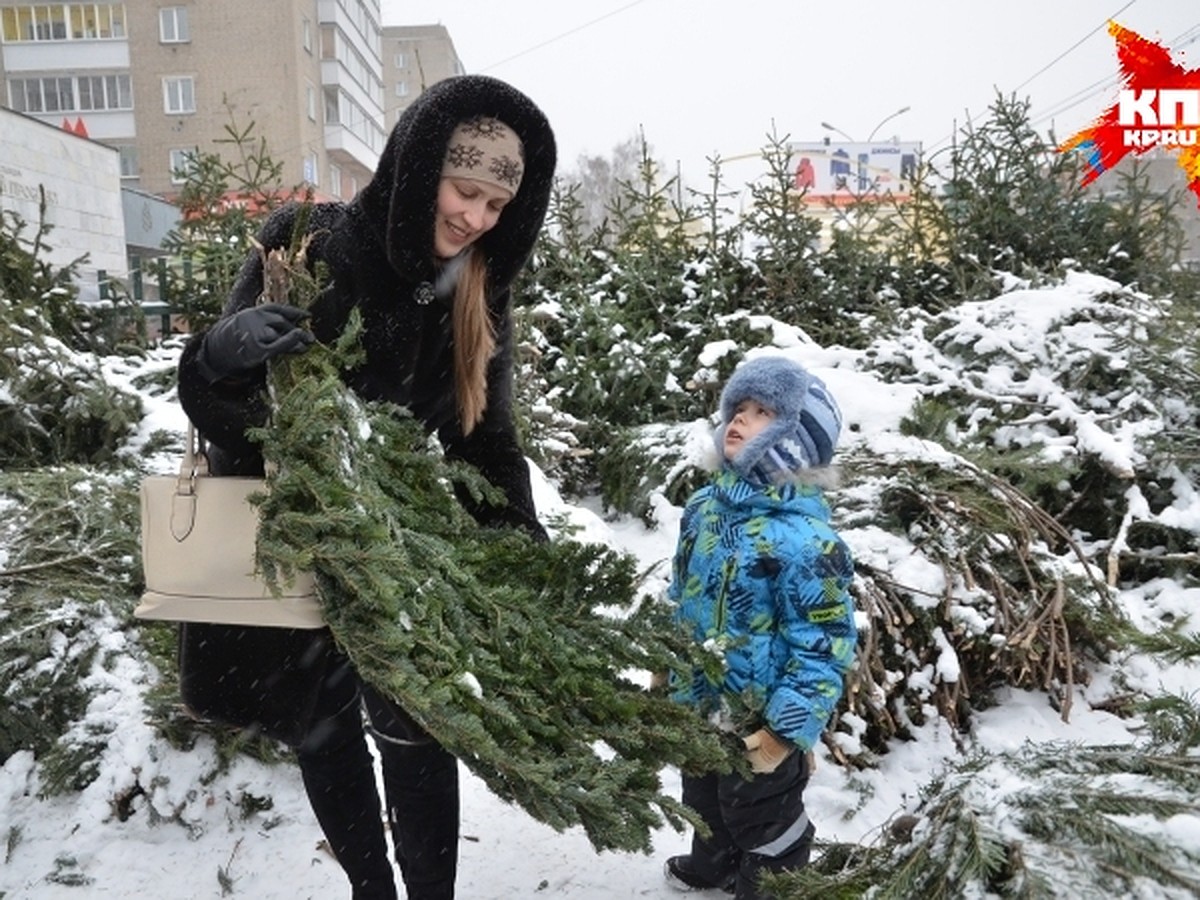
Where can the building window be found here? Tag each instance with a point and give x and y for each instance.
(179, 95)
(173, 25)
(43, 22)
(86, 93)
(401, 88)
(62, 22)
(25, 94)
(341, 109)
(53, 24)
(310, 102)
(307, 35)
(99, 92)
(129, 161)
(310, 170)
(63, 92)
(113, 19)
(332, 106)
(335, 180)
(42, 95)
(398, 59)
(334, 45)
(182, 163)
(328, 42)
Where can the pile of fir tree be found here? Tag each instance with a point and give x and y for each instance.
(1049, 820)
(518, 656)
(68, 550)
(56, 406)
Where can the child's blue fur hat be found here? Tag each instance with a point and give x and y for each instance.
(806, 426)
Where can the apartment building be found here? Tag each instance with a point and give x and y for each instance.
(414, 57)
(158, 80)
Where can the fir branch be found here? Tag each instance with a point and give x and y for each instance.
(1100, 760)
(1119, 850)
(70, 537)
(1011, 826)
(1172, 644)
(1173, 721)
(494, 642)
(74, 531)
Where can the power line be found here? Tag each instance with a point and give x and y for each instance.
(1105, 86)
(387, 111)
(1103, 24)
(559, 37)
(1075, 46)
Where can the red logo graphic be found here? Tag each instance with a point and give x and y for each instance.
(1158, 106)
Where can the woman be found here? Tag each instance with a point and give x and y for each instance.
(426, 253)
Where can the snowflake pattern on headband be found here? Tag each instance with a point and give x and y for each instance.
(506, 169)
(464, 156)
(485, 128)
(486, 150)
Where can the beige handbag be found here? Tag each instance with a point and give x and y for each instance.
(198, 541)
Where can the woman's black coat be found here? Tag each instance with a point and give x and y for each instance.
(379, 253)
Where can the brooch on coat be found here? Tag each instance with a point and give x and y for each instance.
(424, 294)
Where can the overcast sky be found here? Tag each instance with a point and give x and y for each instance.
(711, 76)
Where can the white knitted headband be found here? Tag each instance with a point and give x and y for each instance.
(487, 150)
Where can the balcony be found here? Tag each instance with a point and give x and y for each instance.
(66, 56)
(347, 149)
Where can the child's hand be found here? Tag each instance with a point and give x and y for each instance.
(765, 752)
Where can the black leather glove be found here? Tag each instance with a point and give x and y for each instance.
(248, 338)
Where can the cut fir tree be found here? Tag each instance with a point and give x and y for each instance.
(515, 654)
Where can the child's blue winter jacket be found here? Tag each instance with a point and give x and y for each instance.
(760, 576)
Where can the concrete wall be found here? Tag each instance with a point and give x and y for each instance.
(82, 183)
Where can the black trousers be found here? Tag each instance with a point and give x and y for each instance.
(420, 781)
(758, 824)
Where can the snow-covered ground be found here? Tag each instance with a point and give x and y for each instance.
(182, 841)
(504, 854)
(71, 848)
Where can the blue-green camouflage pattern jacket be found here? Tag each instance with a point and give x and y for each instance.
(761, 577)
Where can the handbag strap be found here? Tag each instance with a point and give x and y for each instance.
(195, 460)
(183, 501)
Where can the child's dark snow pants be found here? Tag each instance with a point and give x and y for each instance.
(758, 825)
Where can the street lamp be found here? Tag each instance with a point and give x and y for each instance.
(829, 127)
(874, 130)
(901, 111)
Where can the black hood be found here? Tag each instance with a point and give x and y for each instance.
(401, 199)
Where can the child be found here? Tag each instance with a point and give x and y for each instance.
(760, 576)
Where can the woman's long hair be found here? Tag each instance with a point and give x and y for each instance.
(474, 341)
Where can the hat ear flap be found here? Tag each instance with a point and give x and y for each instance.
(712, 455)
(814, 440)
(719, 439)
